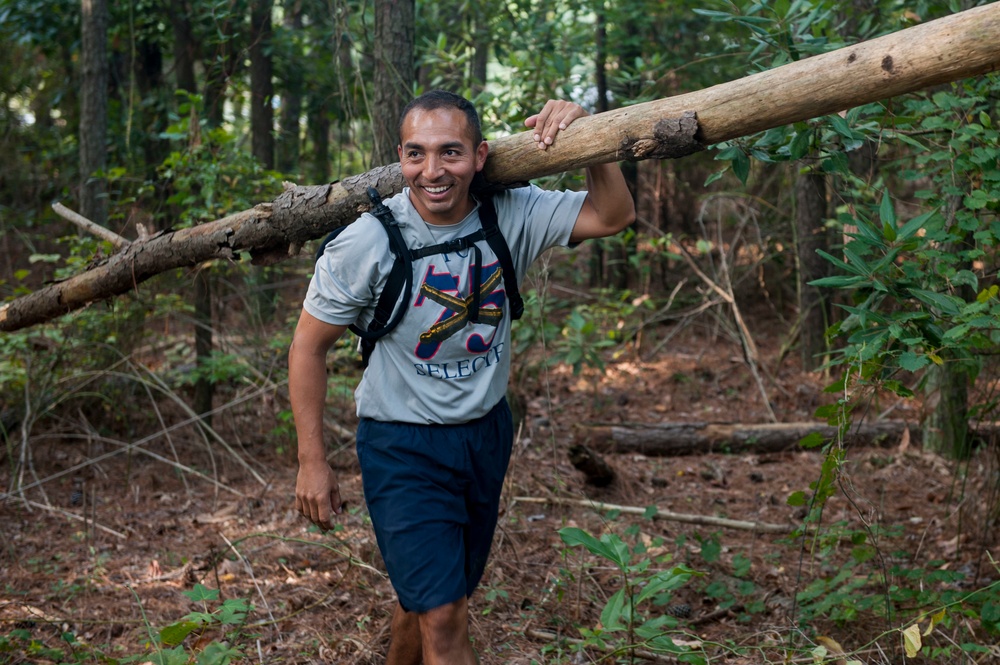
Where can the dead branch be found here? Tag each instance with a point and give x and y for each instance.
(704, 520)
(90, 227)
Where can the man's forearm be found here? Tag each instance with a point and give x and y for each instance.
(307, 390)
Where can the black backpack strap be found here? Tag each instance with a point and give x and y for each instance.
(496, 241)
(399, 281)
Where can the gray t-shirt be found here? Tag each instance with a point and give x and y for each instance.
(437, 366)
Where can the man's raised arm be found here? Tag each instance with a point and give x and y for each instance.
(609, 207)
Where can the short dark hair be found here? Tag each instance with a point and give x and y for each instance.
(442, 99)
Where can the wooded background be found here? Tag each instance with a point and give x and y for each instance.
(147, 116)
(864, 241)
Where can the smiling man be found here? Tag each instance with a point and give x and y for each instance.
(435, 432)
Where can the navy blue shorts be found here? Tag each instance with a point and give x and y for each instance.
(433, 493)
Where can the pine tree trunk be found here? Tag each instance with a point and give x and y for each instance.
(261, 84)
(204, 388)
(185, 46)
(814, 309)
(289, 146)
(394, 73)
(94, 110)
(946, 401)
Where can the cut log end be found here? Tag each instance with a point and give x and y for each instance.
(671, 138)
(597, 472)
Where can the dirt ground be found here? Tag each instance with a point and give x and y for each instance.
(128, 535)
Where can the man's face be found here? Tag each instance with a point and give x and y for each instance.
(439, 161)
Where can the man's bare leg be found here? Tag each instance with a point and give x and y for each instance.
(404, 638)
(444, 632)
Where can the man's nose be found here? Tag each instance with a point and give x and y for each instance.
(432, 167)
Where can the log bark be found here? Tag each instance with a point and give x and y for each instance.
(675, 439)
(948, 49)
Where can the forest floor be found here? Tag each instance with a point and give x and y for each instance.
(145, 534)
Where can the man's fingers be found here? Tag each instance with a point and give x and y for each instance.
(556, 115)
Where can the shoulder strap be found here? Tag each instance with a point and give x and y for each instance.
(399, 281)
(491, 229)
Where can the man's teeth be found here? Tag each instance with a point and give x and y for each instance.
(436, 190)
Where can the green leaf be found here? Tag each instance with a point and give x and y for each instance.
(609, 546)
(886, 211)
(897, 388)
(710, 550)
(986, 294)
(217, 654)
(611, 616)
(176, 633)
(715, 176)
(741, 166)
(966, 278)
(713, 14)
(44, 258)
(665, 580)
(947, 304)
(859, 263)
(840, 282)
(958, 332)
(840, 126)
(799, 147)
(201, 593)
(812, 440)
(977, 200)
(840, 263)
(914, 225)
(889, 231)
(913, 362)
(796, 499)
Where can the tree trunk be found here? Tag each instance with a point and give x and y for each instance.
(319, 131)
(289, 145)
(220, 62)
(946, 400)
(185, 46)
(482, 41)
(948, 49)
(814, 308)
(393, 80)
(94, 110)
(261, 84)
(601, 81)
(204, 388)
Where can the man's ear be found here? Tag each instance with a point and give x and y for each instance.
(399, 152)
(481, 153)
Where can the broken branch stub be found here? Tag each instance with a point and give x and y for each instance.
(672, 138)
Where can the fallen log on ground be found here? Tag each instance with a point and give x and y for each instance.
(670, 439)
(948, 49)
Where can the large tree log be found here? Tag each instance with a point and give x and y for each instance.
(948, 49)
(671, 439)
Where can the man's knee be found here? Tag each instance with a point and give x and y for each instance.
(445, 626)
